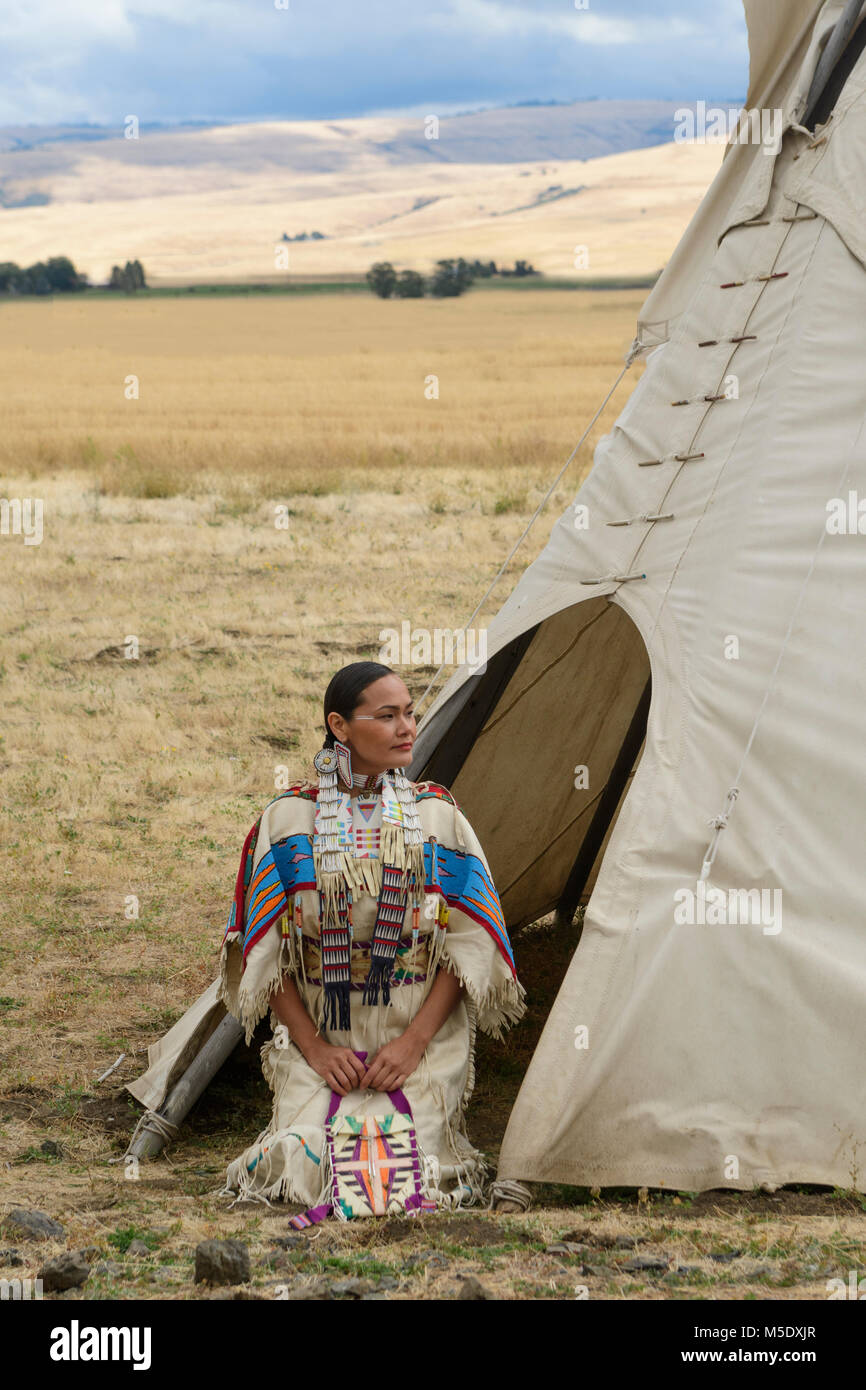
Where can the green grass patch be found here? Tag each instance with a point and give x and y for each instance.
(32, 1154)
(68, 1102)
(509, 502)
(358, 1266)
(123, 1237)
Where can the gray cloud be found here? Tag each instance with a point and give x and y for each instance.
(247, 59)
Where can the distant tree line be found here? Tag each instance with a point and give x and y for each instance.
(58, 275)
(485, 269)
(304, 236)
(129, 279)
(450, 278)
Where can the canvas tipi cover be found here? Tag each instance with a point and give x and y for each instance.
(726, 1052)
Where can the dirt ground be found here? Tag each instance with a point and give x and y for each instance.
(571, 1244)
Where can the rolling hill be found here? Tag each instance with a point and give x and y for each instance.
(209, 203)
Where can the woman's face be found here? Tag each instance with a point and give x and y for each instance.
(381, 730)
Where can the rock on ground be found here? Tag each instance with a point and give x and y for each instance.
(34, 1225)
(471, 1288)
(67, 1271)
(222, 1262)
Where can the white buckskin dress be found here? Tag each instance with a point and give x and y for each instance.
(273, 932)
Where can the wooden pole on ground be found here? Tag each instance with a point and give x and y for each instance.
(184, 1094)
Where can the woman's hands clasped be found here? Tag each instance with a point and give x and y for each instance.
(388, 1070)
(394, 1063)
(337, 1065)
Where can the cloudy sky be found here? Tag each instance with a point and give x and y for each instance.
(167, 60)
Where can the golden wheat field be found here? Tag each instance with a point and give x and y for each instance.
(296, 392)
(165, 650)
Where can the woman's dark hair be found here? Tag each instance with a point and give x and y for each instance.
(345, 689)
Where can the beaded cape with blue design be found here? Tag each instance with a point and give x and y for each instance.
(287, 868)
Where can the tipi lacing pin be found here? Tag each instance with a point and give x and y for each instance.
(755, 279)
(742, 338)
(813, 145)
(670, 458)
(700, 400)
(630, 521)
(614, 579)
(772, 221)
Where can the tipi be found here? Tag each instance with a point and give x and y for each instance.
(690, 647)
(711, 1028)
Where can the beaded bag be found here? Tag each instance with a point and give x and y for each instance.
(373, 1164)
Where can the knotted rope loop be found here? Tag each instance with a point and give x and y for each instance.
(151, 1121)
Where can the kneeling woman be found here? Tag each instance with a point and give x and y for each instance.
(366, 919)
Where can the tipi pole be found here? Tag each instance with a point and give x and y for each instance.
(156, 1127)
(832, 52)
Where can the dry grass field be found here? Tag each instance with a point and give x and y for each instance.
(138, 776)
